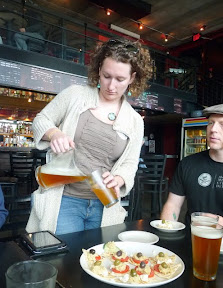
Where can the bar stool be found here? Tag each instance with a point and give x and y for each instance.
(150, 179)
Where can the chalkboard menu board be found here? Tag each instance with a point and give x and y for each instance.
(35, 78)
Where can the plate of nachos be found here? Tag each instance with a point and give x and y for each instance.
(131, 264)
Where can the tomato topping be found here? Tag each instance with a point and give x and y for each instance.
(97, 258)
(156, 268)
(152, 273)
(122, 259)
(139, 261)
(138, 272)
(121, 272)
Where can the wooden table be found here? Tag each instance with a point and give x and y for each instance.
(71, 275)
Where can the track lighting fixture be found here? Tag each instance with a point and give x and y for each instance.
(140, 26)
(203, 28)
(108, 12)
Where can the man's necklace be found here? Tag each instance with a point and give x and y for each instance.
(111, 116)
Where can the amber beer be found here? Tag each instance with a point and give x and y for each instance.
(206, 242)
(107, 196)
(48, 179)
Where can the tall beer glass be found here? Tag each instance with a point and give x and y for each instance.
(204, 216)
(206, 242)
(107, 196)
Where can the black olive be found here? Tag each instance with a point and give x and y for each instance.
(142, 264)
(92, 251)
(139, 254)
(119, 253)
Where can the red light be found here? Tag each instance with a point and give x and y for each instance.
(196, 36)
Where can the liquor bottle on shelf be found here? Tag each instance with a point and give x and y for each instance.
(4, 128)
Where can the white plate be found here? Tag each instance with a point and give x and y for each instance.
(176, 226)
(130, 248)
(138, 236)
(221, 249)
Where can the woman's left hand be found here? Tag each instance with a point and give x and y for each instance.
(113, 182)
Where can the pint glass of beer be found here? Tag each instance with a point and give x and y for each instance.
(206, 242)
(203, 216)
(61, 170)
(107, 196)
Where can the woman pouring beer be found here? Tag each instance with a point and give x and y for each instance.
(105, 132)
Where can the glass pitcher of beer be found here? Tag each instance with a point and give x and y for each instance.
(59, 171)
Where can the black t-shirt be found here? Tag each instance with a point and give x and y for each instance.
(200, 179)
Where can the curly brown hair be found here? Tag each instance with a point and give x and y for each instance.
(123, 51)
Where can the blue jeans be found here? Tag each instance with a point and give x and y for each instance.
(21, 39)
(78, 214)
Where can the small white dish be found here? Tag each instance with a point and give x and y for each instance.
(176, 226)
(221, 248)
(138, 236)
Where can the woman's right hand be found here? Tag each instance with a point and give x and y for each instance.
(60, 142)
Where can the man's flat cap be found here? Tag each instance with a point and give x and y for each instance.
(216, 109)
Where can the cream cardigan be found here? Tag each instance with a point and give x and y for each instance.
(63, 112)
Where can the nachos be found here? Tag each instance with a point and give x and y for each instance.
(115, 264)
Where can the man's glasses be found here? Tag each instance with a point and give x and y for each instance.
(128, 47)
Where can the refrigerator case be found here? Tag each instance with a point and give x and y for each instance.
(193, 136)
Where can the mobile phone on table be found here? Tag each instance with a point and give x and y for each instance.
(43, 242)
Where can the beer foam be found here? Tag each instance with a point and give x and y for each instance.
(203, 218)
(59, 171)
(206, 232)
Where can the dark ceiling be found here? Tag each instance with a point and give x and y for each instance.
(180, 19)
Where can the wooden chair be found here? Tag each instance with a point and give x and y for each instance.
(129, 203)
(150, 179)
(19, 210)
(40, 157)
(22, 167)
(9, 186)
(39, 160)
